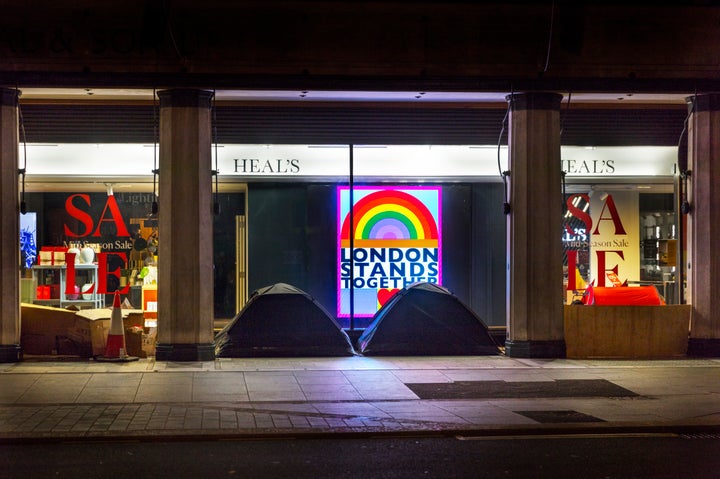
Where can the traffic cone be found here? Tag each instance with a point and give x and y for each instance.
(115, 348)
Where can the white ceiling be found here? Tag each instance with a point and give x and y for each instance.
(146, 95)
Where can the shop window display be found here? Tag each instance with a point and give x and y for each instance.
(619, 237)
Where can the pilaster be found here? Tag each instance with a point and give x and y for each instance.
(185, 269)
(10, 350)
(704, 224)
(534, 223)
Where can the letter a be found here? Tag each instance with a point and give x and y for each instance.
(614, 217)
(116, 218)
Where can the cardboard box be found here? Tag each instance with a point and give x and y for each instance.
(133, 342)
(149, 338)
(140, 342)
(51, 335)
(91, 330)
(47, 330)
(52, 255)
(42, 326)
(93, 325)
(45, 258)
(133, 317)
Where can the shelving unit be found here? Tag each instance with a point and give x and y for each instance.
(46, 275)
(658, 251)
(149, 304)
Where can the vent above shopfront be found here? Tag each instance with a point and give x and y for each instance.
(445, 124)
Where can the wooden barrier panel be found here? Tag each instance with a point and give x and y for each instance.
(627, 331)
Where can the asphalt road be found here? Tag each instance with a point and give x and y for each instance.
(656, 456)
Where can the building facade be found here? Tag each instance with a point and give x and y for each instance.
(547, 81)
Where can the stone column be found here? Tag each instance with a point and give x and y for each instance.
(10, 350)
(534, 227)
(185, 259)
(703, 233)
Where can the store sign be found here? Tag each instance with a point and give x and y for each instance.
(396, 241)
(592, 167)
(620, 161)
(332, 161)
(78, 206)
(613, 239)
(103, 273)
(264, 166)
(116, 226)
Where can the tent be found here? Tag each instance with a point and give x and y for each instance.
(425, 319)
(282, 320)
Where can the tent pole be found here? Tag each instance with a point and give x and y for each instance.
(352, 242)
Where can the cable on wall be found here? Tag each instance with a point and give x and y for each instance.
(155, 171)
(682, 163)
(550, 35)
(563, 173)
(22, 171)
(215, 172)
(504, 173)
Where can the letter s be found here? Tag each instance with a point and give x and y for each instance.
(578, 213)
(78, 214)
(294, 166)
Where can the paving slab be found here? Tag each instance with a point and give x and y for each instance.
(56, 400)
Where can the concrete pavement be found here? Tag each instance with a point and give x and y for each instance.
(489, 395)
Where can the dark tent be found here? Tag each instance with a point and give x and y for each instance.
(425, 319)
(282, 320)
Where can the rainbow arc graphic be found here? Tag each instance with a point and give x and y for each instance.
(390, 218)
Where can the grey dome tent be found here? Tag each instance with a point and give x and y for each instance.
(283, 321)
(425, 319)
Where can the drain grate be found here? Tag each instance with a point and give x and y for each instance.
(561, 388)
(554, 417)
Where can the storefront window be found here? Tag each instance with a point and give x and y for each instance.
(660, 244)
(283, 212)
(116, 232)
(125, 239)
(229, 265)
(617, 235)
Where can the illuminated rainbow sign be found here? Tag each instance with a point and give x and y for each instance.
(396, 242)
